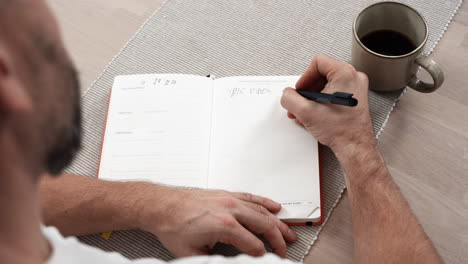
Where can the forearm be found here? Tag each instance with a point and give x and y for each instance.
(384, 227)
(79, 205)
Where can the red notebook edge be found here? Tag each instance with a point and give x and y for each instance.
(104, 133)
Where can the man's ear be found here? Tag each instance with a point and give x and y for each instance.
(14, 96)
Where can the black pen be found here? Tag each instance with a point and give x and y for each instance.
(338, 98)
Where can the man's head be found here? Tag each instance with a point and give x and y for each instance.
(39, 90)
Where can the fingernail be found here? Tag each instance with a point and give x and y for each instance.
(292, 235)
(275, 205)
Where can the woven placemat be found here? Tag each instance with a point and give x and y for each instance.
(247, 37)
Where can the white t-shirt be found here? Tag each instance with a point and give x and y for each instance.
(71, 251)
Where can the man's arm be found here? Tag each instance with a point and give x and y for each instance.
(81, 205)
(187, 221)
(385, 229)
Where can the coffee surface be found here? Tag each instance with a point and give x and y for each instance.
(388, 42)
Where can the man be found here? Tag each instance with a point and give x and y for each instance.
(40, 133)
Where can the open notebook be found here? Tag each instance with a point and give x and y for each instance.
(229, 133)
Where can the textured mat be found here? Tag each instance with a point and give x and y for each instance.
(246, 37)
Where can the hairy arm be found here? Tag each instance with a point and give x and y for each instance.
(384, 227)
(79, 205)
(187, 221)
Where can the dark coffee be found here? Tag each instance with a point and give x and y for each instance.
(388, 42)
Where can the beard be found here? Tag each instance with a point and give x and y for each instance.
(68, 140)
(62, 153)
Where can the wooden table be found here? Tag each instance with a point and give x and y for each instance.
(425, 142)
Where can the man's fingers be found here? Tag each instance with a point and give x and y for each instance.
(314, 85)
(287, 232)
(236, 235)
(276, 240)
(269, 204)
(296, 104)
(318, 72)
(266, 225)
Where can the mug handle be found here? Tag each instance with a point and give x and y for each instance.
(433, 69)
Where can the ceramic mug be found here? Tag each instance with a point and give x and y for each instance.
(388, 38)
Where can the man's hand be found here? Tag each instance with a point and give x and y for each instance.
(341, 128)
(191, 221)
(187, 221)
(384, 228)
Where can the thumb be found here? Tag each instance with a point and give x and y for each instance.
(295, 103)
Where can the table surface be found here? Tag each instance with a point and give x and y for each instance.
(425, 142)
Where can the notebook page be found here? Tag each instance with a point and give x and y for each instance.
(158, 129)
(256, 148)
